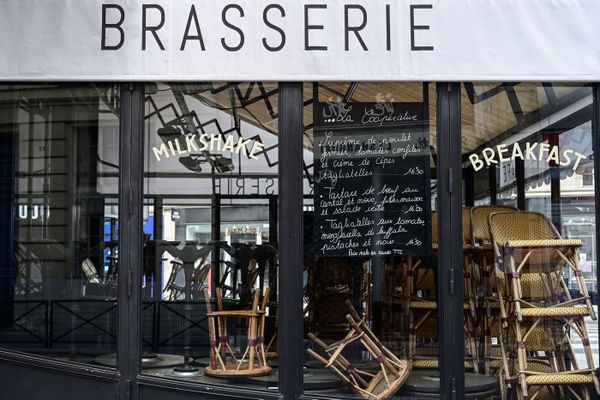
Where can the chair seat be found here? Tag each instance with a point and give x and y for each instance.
(555, 312)
(560, 378)
(544, 243)
(235, 313)
(429, 305)
(379, 386)
(433, 363)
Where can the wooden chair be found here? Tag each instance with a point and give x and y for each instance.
(393, 371)
(224, 360)
(175, 290)
(90, 272)
(532, 255)
(199, 280)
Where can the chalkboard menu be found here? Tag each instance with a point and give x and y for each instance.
(371, 179)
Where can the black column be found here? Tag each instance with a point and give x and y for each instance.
(131, 166)
(469, 179)
(450, 275)
(8, 167)
(291, 253)
(520, 179)
(492, 184)
(596, 148)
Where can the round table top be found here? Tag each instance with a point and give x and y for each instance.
(427, 382)
(148, 360)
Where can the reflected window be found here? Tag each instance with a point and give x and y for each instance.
(535, 268)
(59, 268)
(211, 266)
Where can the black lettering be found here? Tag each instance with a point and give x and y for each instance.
(308, 27)
(270, 184)
(355, 29)
(388, 34)
(152, 29)
(116, 25)
(239, 182)
(414, 27)
(274, 27)
(186, 34)
(232, 27)
(256, 186)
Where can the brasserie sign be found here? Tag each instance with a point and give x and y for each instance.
(299, 40)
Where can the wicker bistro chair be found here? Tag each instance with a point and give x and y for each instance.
(421, 301)
(393, 371)
(531, 254)
(491, 307)
(224, 360)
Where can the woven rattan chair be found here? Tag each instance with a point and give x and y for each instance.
(541, 312)
(393, 371)
(421, 301)
(492, 306)
(224, 360)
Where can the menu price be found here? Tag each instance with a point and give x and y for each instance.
(372, 180)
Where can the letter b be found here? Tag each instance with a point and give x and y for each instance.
(476, 162)
(117, 26)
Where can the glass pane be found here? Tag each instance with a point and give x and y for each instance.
(210, 226)
(59, 151)
(534, 270)
(370, 239)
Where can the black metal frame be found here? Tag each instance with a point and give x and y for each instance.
(450, 267)
(127, 382)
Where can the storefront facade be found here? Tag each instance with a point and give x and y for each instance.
(298, 199)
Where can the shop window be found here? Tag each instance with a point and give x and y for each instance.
(210, 227)
(535, 268)
(59, 258)
(370, 240)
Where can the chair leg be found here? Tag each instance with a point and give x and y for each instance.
(521, 357)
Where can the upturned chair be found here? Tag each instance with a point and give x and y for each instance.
(225, 361)
(393, 371)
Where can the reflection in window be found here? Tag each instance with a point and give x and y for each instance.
(368, 162)
(537, 290)
(211, 184)
(59, 261)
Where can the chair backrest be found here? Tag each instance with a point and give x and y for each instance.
(520, 225)
(265, 301)
(90, 271)
(480, 230)
(434, 228)
(466, 227)
(201, 273)
(219, 296)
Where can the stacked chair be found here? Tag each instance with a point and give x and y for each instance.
(392, 371)
(521, 320)
(539, 316)
(225, 359)
(491, 315)
(421, 302)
